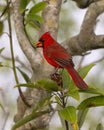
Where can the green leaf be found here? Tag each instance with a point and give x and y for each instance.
(42, 103)
(25, 76)
(2, 107)
(28, 118)
(29, 85)
(92, 102)
(69, 114)
(32, 24)
(23, 4)
(84, 71)
(1, 64)
(73, 93)
(47, 84)
(65, 78)
(68, 83)
(38, 7)
(1, 50)
(81, 116)
(1, 28)
(35, 18)
(100, 127)
(93, 90)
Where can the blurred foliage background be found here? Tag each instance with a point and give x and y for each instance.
(70, 21)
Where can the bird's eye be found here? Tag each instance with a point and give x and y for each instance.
(42, 40)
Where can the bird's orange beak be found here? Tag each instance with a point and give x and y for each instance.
(38, 44)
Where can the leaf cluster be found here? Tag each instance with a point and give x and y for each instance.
(75, 116)
(32, 15)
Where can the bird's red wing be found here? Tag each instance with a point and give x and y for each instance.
(58, 54)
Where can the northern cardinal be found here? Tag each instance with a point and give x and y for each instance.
(58, 57)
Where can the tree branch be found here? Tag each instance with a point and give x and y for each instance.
(24, 41)
(39, 70)
(51, 17)
(87, 39)
(51, 21)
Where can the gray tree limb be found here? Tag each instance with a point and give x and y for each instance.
(87, 39)
(39, 70)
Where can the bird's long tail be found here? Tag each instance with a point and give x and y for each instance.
(79, 82)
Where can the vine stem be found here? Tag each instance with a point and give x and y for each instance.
(64, 105)
(12, 55)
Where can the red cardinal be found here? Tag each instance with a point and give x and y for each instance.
(58, 57)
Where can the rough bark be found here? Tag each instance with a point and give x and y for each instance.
(39, 70)
(87, 39)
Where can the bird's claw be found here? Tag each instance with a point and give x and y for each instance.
(57, 78)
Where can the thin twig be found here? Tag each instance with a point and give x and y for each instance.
(17, 60)
(64, 105)
(5, 10)
(6, 111)
(80, 63)
(12, 55)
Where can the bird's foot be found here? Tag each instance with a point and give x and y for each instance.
(57, 78)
